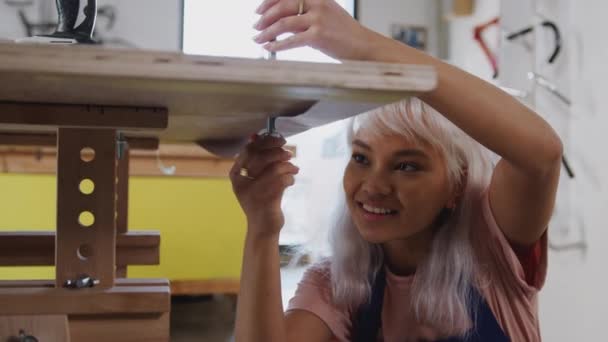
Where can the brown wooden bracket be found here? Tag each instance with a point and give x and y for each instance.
(189, 161)
(50, 140)
(86, 220)
(31, 248)
(142, 296)
(89, 116)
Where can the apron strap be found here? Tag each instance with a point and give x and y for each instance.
(368, 319)
(485, 328)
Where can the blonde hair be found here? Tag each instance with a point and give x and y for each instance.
(441, 287)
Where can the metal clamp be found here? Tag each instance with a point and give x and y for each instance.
(270, 121)
(121, 145)
(82, 282)
(23, 337)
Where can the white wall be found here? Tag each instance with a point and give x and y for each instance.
(379, 15)
(573, 303)
(10, 25)
(463, 51)
(150, 24)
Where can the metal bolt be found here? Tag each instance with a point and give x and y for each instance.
(121, 145)
(23, 337)
(82, 282)
(270, 125)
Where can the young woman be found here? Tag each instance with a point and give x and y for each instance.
(434, 244)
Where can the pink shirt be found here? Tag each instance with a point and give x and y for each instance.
(512, 282)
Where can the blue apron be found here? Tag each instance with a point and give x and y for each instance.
(367, 321)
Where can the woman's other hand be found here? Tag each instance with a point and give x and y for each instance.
(259, 176)
(323, 25)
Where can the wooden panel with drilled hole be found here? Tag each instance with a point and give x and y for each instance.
(186, 160)
(37, 248)
(86, 223)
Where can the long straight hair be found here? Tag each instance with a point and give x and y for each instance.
(441, 286)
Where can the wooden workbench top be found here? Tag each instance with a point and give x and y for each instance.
(211, 99)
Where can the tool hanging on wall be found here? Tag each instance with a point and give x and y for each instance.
(478, 36)
(30, 28)
(546, 24)
(66, 31)
(538, 79)
(552, 88)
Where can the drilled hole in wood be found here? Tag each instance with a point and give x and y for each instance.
(87, 186)
(86, 219)
(87, 154)
(84, 252)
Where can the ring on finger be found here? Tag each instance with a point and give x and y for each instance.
(244, 172)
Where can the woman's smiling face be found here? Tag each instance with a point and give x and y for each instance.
(395, 188)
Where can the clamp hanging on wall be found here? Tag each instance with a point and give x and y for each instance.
(478, 36)
(547, 24)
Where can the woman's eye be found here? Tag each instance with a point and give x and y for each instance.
(359, 158)
(408, 167)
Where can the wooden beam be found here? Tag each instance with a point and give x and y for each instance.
(82, 116)
(47, 283)
(204, 287)
(33, 248)
(209, 98)
(31, 139)
(189, 161)
(122, 328)
(117, 327)
(115, 300)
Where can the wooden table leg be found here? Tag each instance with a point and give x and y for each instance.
(86, 223)
(92, 199)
